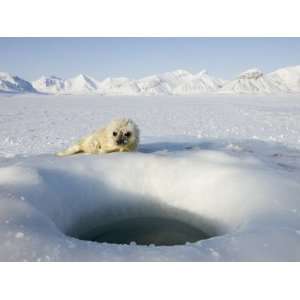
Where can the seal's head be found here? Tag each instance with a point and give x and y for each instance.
(123, 134)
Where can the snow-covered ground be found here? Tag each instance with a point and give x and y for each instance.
(228, 165)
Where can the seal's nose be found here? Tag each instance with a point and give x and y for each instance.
(120, 139)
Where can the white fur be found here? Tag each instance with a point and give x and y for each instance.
(104, 141)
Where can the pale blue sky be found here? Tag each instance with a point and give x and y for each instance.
(136, 57)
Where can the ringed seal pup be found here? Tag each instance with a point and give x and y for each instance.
(120, 135)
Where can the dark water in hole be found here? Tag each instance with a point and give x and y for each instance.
(145, 231)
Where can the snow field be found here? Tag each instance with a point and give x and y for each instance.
(228, 166)
(224, 195)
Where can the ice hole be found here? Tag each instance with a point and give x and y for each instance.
(158, 231)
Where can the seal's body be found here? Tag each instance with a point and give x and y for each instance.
(121, 135)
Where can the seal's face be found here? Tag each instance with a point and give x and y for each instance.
(123, 134)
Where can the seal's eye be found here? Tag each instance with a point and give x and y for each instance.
(115, 133)
(128, 134)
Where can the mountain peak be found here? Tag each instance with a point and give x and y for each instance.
(81, 76)
(5, 76)
(202, 72)
(14, 84)
(51, 77)
(253, 73)
(179, 72)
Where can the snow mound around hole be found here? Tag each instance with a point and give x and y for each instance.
(246, 209)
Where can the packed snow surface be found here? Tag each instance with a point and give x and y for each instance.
(227, 165)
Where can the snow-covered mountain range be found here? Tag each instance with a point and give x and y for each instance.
(178, 82)
(14, 84)
(286, 80)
